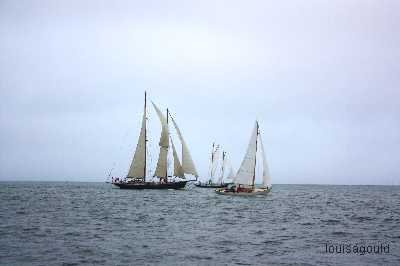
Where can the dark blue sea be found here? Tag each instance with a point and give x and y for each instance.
(68, 223)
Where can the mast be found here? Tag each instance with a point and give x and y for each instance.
(212, 160)
(145, 136)
(166, 168)
(255, 158)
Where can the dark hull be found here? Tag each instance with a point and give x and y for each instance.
(151, 185)
(211, 185)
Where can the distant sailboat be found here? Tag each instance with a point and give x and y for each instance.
(137, 177)
(216, 180)
(244, 180)
(109, 178)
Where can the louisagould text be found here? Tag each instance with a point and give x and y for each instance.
(358, 249)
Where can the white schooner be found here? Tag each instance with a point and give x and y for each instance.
(138, 176)
(218, 179)
(244, 180)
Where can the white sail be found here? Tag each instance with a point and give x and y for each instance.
(187, 161)
(215, 162)
(231, 174)
(211, 160)
(266, 175)
(223, 168)
(246, 171)
(138, 164)
(178, 170)
(161, 170)
(227, 165)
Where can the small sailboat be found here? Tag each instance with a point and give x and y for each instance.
(244, 181)
(109, 177)
(215, 180)
(138, 176)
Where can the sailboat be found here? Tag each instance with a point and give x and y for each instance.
(244, 181)
(138, 178)
(215, 180)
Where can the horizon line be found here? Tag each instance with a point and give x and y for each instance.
(88, 181)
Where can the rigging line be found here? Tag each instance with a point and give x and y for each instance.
(255, 156)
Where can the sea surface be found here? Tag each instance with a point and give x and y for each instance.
(71, 223)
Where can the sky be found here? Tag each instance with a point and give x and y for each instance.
(322, 78)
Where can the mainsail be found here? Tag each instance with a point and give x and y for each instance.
(211, 160)
(215, 161)
(178, 170)
(223, 167)
(266, 175)
(187, 162)
(226, 163)
(246, 171)
(138, 165)
(161, 170)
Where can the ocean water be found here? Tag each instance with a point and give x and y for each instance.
(67, 223)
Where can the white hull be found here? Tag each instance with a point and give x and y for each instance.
(256, 191)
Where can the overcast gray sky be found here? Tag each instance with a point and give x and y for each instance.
(322, 77)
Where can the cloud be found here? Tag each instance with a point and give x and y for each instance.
(321, 77)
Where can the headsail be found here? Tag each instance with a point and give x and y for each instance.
(178, 170)
(266, 175)
(246, 171)
(161, 170)
(187, 161)
(138, 165)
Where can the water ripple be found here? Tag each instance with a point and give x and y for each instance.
(95, 224)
